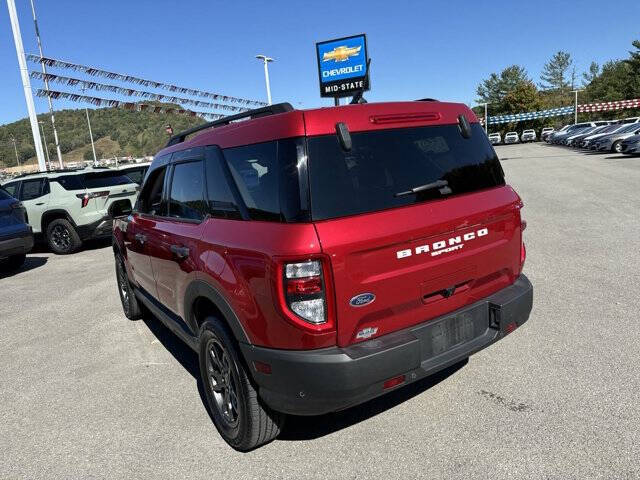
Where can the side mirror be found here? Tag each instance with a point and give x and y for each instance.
(344, 137)
(465, 126)
(121, 208)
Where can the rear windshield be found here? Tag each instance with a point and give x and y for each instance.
(92, 180)
(382, 164)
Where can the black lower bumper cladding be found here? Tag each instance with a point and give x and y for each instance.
(18, 244)
(315, 382)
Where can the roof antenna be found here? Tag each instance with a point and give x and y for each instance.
(358, 98)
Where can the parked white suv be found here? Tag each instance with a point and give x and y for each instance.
(528, 136)
(511, 137)
(70, 206)
(495, 138)
(546, 131)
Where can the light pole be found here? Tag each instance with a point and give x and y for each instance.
(575, 120)
(46, 87)
(266, 61)
(16, 150)
(486, 119)
(86, 110)
(44, 140)
(26, 83)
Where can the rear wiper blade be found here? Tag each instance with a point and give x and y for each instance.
(440, 184)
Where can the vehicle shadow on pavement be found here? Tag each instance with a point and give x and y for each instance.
(308, 428)
(31, 263)
(303, 428)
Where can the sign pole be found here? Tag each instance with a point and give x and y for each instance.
(26, 84)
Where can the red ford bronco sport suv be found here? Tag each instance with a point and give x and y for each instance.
(316, 259)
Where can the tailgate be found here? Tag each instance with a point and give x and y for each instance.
(420, 261)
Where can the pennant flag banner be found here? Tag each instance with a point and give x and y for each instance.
(105, 102)
(96, 72)
(603, 106)
(49, 77)
(519, 117)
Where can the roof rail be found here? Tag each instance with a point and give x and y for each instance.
(249, 114)
(59, 170)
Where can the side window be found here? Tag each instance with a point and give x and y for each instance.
(186, 195)
(32, 189)
(150, 199)
(12, 188)
(71, 182)
(221, 201)
(254, 170)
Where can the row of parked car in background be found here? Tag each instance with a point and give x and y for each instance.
(63, 207)
(528, 135)
(616, 136)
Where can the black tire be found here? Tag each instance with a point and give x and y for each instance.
(246, 423)
(14, 262)
(62, 237)
(617, 147)
(130, 305)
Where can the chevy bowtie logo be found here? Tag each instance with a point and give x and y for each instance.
(341, 53)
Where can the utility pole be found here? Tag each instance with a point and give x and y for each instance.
(46, 87)
(26, 84)
(16, 150)
(46, 147)
(86, 110)
(575, 120)
(266, 61)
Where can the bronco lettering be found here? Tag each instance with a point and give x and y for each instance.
(439, 247)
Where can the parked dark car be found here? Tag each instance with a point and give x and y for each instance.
(16, 237)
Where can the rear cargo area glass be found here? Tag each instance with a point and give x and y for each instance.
(383, 163)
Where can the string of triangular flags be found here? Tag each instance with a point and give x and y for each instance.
(129, 92)
(97, 72)
(555, 112)
(105, 102)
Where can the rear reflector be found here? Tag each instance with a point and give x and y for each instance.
(393, 382)
(262, 367)
(510, 327)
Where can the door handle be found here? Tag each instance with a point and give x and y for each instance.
(141, 238)
(40, 203)
(180, 251)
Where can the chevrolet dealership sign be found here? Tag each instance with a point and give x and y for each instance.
(342, 66)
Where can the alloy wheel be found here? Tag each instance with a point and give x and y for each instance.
(222, 382)
(61, 237)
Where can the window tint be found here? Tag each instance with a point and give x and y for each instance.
(384, 163)
(12, 188)
(221, 201)
(150, 198)
(186, 197)
(271, 179)
(136, 175)
(32, 189)
(105, 179)
(70, 182)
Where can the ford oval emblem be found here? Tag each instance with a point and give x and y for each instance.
(362, 299)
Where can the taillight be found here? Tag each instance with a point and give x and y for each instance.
(85, 197)
(304, 294)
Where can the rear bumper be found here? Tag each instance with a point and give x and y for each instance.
(314, 382)
(18, 244)
(98, 229)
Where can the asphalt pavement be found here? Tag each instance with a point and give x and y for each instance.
(86, 393)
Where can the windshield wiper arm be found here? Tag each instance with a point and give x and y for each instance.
(440, 184)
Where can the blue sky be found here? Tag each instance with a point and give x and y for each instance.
(439, 49)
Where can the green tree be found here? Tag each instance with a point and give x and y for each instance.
(591, 75)
(554, 73)
(493, 89)
(633, 84)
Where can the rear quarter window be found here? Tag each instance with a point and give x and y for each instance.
(105, 179)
